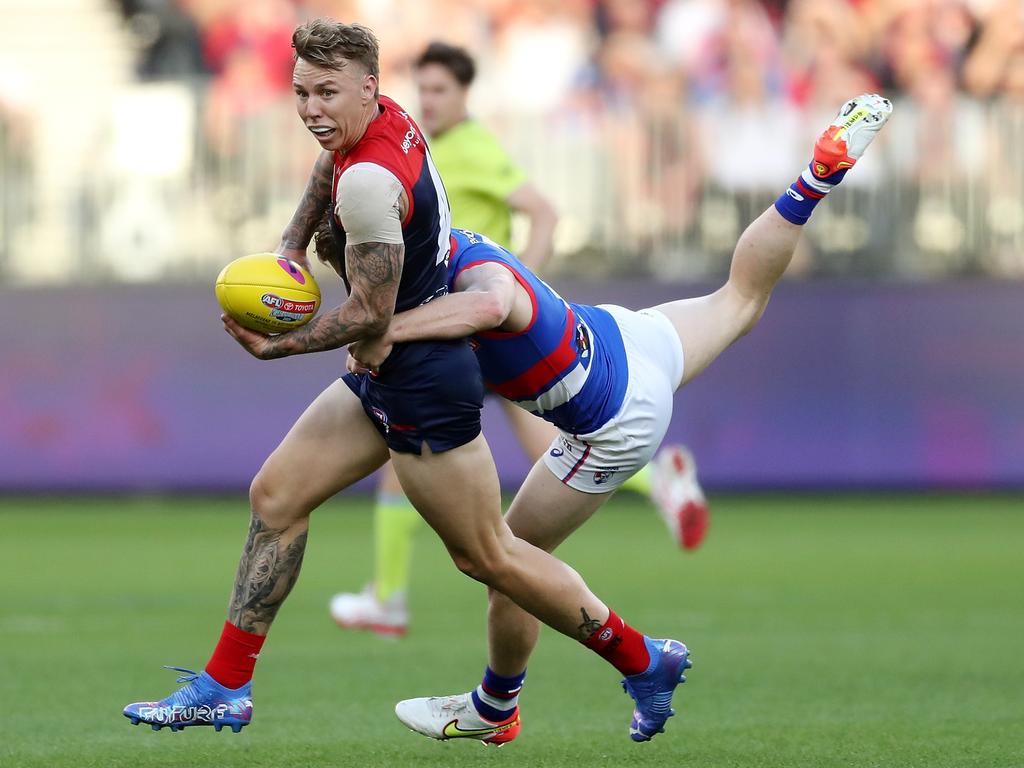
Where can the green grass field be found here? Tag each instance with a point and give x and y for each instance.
(826, 631)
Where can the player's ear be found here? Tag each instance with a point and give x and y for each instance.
(370, 86)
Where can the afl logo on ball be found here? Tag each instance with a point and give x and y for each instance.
(274, 301)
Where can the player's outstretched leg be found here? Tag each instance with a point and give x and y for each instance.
(331, 446)
(544, 513)
(382, 606)
(708, 324)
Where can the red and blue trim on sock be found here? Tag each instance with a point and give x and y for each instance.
(798, 202)
(498, 688)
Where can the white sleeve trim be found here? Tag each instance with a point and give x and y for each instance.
(369, 197)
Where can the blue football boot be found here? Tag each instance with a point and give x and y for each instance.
(652, 690)
(202, 701)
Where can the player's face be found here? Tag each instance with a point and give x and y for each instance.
(333, 103)
(442, 98)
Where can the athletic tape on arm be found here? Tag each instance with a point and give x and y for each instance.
(367, 205)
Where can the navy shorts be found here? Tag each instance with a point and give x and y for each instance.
(426, 392)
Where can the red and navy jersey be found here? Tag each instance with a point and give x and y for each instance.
(568, 365)
(394, 141)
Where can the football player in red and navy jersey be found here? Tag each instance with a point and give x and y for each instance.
(421, 409)
(605, 376)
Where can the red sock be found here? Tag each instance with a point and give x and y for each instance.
(235, 656)
(621, 645)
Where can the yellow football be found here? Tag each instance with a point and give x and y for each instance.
(268, 293)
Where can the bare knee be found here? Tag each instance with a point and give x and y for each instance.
(498, 601)
(490, 565)
(273, 504)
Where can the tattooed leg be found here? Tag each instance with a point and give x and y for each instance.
(588, 627)
(331, 446)
(270, 564)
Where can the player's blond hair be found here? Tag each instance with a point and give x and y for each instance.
(331, 44)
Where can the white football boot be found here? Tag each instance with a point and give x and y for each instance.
(455, 717)
(678, 495)
(841, 145)
(363, 610)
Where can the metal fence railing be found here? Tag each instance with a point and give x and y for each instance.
(662, 192)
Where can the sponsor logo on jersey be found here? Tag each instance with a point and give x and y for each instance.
(411, 138)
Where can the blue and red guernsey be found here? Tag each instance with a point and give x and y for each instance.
(568, 366)
(394, 141)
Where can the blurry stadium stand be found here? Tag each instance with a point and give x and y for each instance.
(77, 66)
(157, 182)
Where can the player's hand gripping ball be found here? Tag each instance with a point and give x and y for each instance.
(268, 293)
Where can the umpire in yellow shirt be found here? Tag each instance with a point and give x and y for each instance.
(485, 187)
(484, 184)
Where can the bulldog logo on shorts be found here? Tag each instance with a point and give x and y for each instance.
(602, 476)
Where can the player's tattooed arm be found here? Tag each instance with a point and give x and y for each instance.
(587, 627)
(266, 574)
(374, 271)
(486, 297)
(315, 200)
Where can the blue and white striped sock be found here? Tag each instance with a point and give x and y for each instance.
(497, 697)
(797, 203)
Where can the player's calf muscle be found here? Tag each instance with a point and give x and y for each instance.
(267, 571)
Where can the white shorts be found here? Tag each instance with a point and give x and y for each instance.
(603, 460)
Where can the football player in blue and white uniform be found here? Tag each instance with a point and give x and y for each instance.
(605, 377)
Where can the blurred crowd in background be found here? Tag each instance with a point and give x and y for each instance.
(659, 127)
